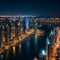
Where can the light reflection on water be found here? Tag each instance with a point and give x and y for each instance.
(28, 46)
(14, 50)
(20, 48)
(1, 56)
(35, 43)
(19, 53)
(7, 55)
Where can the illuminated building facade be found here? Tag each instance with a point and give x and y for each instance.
(0, 35)
(27, 21)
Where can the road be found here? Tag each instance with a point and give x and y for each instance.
(20, 38)
(56, 46)
(15, 41)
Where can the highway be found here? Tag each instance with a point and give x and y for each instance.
(56, 46)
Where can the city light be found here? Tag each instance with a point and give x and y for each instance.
(43, 52)
(18, 23)
(14, 49)
(48, 42)
(51, 33)
(27, 23)
(19, 33)
(35, 58)
(2, 57)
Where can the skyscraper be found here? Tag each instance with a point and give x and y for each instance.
(27, 22)
(0, 35)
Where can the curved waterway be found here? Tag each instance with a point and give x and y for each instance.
(26, 50)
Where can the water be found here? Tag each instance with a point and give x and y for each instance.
(27, 49)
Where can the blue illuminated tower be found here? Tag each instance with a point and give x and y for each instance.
(27, 21)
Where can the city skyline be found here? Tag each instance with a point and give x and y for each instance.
(29, 38)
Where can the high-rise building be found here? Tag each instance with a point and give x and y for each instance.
(27, 22)
(12, 30)
(24, 25)
(0, 35)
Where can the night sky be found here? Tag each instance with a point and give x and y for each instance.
(43, 8)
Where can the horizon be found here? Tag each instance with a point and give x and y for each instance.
(43, 8)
